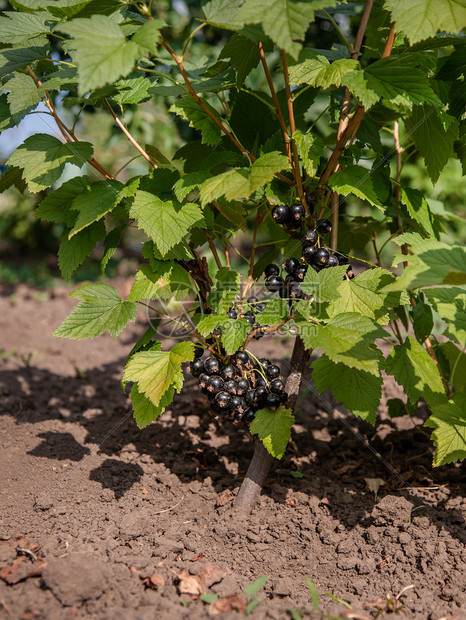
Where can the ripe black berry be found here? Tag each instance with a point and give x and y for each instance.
(223, 400)
(261, 306)
(242, 386)
(260, 396)
(308, 253)
(249, 415)
(263, 361)
(196, 367)
(271, 270)
(277, 386)
(203, 378)
(300, 272)
(294, 290)
(198, 351)
(241, 358)
(342, 260)
(291, 264)
(250, 319)
(283, 397)
(293, 224)
(232, 314)
(250, 315)
(252, 300)
(332, 261)
(215, 384)
(238, 404)
(273, 400)
(323, 227)
(229, 372)
(249, 397)
(238, 417)
(274, 284)
(296, 212)
(280, 213)
(272, 371)
(310, 238)
(230, 386)
(321, 257)
(350, 273)
(261, 382)
(212, 366)
(258, 335)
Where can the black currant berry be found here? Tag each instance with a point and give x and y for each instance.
(342, 260)
(212, 366)
(272, 371)
(310, 238)
(296, 212)
(203, 378)
(238, 417)
(350, 272)
(274, 284)
(215, 384)
(260, 307)
(294, 290)
(308, 253)
(261, 382)
(252, 300)
(300, 272)
(323, 227)
(260, 396)
(238, 404)
(271, 270)
(230, 386)
(263, 361)
(283, 397)
(258, 335)
(249, 397)
(241, 358)
(273, 400)
(277, 386)
(229, 372)
(321, 257)
(291, 264)
(289, 279)
(198, 351)
(242, 386)
(251, 320)
(250, 315)
(223, 400)
(232, 314)
(196, 367)
(284, 292)
(280, 213)
(249, 415)
(332, 261)
(293, 224)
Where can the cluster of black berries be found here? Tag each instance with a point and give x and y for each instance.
(240, 387)
(251, 315)
(313, 256)
(288, 216)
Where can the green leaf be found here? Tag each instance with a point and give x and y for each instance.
(242, 182)
(23, 96)
(101, 308)
(74, 251)
(56, 207)
(432, 138)
(17, 27)
(418, 209)
(415, 371)
(275, 311)
(12, 176)
(359, 391)
(448, 420)
(188, 183)
(222, 13)
(423, 320)
(100, 51)
(457, 363)
(191, 111)
(144, 411)
(421, 19)
(96, 201)
(359, 85)
(148, 36)
(346, 338)
(273, 429)
(314, 594)
(450, 305)
(234, 334)
(43, 157)
(253, 588)
(209, 597)
(156, 371)
(163, 280)
(310, 150)
(320, 72)
(19, 57)
(398, 408)
(112, 241)
(210, 322)
(131, 90)
(324, 285)
(165, 222)
(362, 183)
(225, 289)
(243, 54)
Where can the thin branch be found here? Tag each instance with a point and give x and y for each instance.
(377, 253)
(399, 221)
(265, 330)
(389, 42)
(134, 142)
(212, 247)
(334, 218)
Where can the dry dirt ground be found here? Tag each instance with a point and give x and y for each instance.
(101, 520)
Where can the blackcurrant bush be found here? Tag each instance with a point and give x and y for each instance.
(291, 264)
(196, 367)
(260, 307)
(321, 257)
(310, 238)
(283, 397)
(242, 386)
(332, 261)
(296, 212)
(215, 384)
(272, 371)
(308, 253)
(272, 401)
(271, 270)
(252, 300)
(203, 378)
(323, 227)
(260, 396)
(230, 386)
(249, 415)
(223, 400)
(232, 314)
(241, 358)
(229, 372)
(300, 272)
(274, 284)
(249, 397)
(198, 351)
(280, 213)
(212, 366)
(277, 386)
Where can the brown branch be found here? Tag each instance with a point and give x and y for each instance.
(265, 330)
(389, 42)
(212, 247)
(136, 145)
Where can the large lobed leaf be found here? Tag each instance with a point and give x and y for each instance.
(273, 429)
(448, 420)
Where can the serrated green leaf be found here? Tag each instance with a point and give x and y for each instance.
(273, 429)
(310, 150)
(434, 141)
(131, 90)
(17, 27)
(243, 54)
(222, 13)
(225, 290)
(74, 251)
(415, 371)
(362, 183)
(234, 334)
(418, 209)
(210, 322)
(12, 176)
(242, 182)
(275, 311)
(398, 408)
(66, 8)
(423, 321)
(188, 183)
(457, 365)
(23, 97)
(111, 243)
(448, 420)
(100, 309)
(324, 285)
(43, 157)
(450, 305)
(359, 85)
(94, 202)
(148, 36)
(190, 110)
(165, 222)
(146, 342)
(56, 207)
(156, 371)
(320, 72)
(421, 19)
(163, 280)
(144, 411)
(19, 57)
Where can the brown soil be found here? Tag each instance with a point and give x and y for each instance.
(101, 520)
